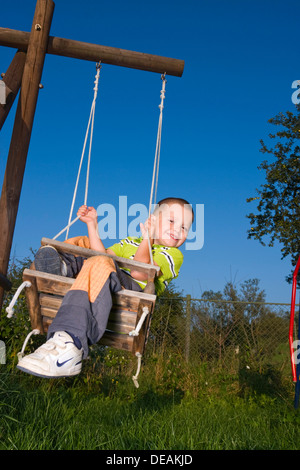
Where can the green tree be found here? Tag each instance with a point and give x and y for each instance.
(278, 209)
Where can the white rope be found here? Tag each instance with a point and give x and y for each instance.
(33, 332)
(10, 312)
(135, 377)
(90, 125)
(156, 158)
(138, 355)
(154, 183)
(10, 309)
(66, 227)
(136, 331)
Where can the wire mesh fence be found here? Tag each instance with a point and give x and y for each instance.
(246, 340)
(243, 345)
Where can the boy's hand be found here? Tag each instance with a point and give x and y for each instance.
(87, 214)
(149, 226)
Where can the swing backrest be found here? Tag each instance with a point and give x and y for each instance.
(47, 291)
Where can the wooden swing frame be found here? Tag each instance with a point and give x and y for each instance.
(25, 73)
(130, 317)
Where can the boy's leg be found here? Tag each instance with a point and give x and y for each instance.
(47, 259)
(85, 309)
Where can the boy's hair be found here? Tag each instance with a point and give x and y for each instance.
(176, 200)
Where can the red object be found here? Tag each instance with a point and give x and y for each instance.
(292, 316)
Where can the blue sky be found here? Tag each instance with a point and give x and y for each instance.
(241, 58)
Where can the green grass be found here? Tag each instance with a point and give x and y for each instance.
(170, 411)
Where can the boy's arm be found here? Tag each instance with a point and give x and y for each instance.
(95, 240)
(142, 254)
(89, 216)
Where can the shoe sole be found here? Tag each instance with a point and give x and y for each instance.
(44, 376)
(48, 261)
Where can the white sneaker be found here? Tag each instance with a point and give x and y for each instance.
(58, 357)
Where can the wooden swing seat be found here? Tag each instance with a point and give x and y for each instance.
(47, 291)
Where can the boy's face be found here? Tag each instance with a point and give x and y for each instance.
(173, 222)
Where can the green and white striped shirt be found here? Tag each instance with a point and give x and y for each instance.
(167, 258)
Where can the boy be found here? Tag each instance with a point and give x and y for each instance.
(82, 318)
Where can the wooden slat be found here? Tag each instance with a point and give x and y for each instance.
(119, 327)
(50, 283)
(48, 312)
(114, 340)
(52, 301)
(87, 253)
(119, 315)
(57, 287)
(124, 296)
(131, 299)
(126, 302)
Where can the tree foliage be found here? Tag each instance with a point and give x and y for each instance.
(278, 209)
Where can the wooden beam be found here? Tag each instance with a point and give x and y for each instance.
(152, 270)
(95, 53)
(19, 145)
(12, 79)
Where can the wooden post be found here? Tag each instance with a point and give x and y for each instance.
(18, 150)
(33, 304)
(140, 340)
(12, 79)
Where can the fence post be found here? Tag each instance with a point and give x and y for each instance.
(187, 327)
